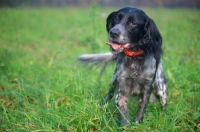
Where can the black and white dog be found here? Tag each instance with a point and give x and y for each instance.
(135, 44)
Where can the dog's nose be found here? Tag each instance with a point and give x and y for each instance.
(114, 33)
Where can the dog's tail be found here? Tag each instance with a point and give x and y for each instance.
(97, 59)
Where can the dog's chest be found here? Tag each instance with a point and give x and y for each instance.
(136, 72)
(128, 67)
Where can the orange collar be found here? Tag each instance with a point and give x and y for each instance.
(131, 53)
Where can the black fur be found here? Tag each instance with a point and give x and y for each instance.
(148, 39)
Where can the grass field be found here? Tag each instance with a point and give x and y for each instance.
(43, 89)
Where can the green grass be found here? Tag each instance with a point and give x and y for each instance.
(42, 88)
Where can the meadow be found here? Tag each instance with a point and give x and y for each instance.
(42, 88)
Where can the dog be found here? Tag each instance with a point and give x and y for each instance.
(135, 44)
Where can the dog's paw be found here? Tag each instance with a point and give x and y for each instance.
(163, 108)
(138, 120)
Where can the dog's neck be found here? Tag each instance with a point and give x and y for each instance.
(137, 53)
(134, 51)
(133, 64)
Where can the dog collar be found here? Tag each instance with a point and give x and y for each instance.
(131, 53)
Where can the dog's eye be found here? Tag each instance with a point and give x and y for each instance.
(116, 19)
(132, 23)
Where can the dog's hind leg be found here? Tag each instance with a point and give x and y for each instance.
(113, 85)
(160, 87)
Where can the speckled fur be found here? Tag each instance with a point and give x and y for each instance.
(137, 79)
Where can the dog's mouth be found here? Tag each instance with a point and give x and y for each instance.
(118, 47)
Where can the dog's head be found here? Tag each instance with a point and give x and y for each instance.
(131, 28)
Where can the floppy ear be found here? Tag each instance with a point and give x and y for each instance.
(109, 21)
(152, 38)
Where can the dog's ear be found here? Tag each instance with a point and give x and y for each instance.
(109, 21)
(152, 38)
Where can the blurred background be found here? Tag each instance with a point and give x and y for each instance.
(58, 3)
(43, 89)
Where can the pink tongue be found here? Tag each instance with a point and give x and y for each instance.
(113, 45)
(118, 46)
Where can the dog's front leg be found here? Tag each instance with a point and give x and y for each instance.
(143, 102)
(113, 85)
(121, 102)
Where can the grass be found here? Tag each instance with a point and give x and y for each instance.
(42, 88)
